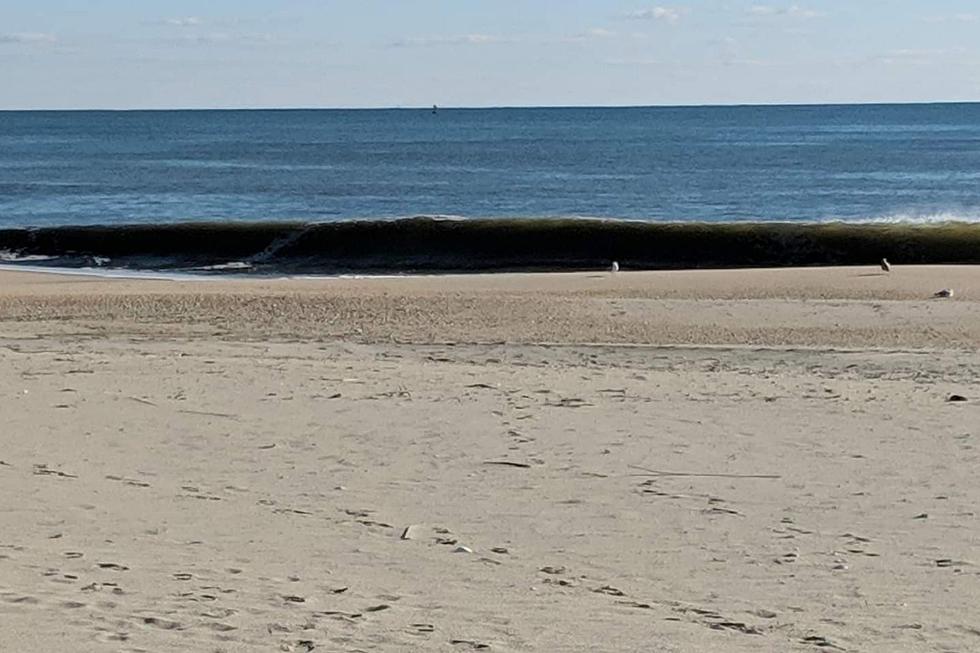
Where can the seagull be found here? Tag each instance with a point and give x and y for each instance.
(945, 292)
(885, 265)
(614, 268)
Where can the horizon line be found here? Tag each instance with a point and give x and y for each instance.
(402, 107)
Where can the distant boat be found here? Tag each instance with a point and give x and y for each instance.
(435, 109)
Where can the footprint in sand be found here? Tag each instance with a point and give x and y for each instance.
(112, 566)
(470, 644)
(21, 600)
(127, 481)
(220, 627)
(113, 637)
(164, 624)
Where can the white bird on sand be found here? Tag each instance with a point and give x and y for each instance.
(614, 268)
(885, 265)
(945, 292)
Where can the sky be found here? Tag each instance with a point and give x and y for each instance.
(124, 54)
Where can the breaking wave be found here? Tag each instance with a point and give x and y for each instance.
(426, 244)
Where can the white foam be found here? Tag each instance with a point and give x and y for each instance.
(231, 265)
(109, 273)
(912, 219)
(158, 275)
(13, 257)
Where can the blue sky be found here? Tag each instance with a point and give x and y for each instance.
(367, 53)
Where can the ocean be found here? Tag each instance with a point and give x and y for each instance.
(484, 189)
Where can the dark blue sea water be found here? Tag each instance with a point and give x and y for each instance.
(318, 191)
(807, 163)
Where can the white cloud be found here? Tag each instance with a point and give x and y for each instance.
(185, 21)
(795, 11)
(666, 14)
(28, 37)
(462, 39)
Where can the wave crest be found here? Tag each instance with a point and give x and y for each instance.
(443, 245)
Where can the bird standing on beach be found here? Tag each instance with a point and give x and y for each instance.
(614, 268)
(885, 265)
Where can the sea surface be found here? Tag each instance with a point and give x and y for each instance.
(489, 188)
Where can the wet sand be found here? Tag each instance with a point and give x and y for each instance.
(677, 461)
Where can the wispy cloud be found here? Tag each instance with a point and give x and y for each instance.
(184, 21)
(634, 62)
(919, 56)
(594, 34)
(954, 18)
(598, 33)
(28, 37)
(665, 14)
(921, 52)
(794, 11)
(461, 39)
(222, 38)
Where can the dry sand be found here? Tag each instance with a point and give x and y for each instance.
(682, 461)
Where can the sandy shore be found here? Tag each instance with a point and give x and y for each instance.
(682, 461)
(840, 307)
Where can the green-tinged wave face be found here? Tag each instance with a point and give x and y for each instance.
(434, 245)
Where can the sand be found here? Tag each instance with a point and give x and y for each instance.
(677, 461)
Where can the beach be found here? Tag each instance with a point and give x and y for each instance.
(705, 460)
